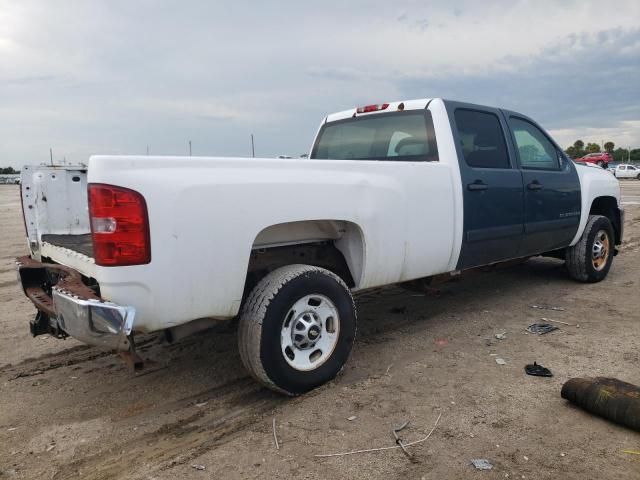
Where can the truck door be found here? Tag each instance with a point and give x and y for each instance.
(552, 188)
(492, 186)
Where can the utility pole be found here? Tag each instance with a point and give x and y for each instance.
(189, 147)
(51, 155)
(147, 150)
(253, 148)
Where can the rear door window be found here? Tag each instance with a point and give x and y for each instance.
(482, 139)
(535, 150)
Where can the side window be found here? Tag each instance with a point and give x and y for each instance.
(534, 148)
(623, 167)
(482, 139)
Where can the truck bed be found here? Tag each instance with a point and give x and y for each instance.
(78, 243)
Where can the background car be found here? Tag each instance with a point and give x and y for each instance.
(627, 171)
(602, 159)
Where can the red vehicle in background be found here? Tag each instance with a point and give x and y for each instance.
(601, 159)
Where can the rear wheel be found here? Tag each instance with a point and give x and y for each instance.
(590, 259)
(297, 328)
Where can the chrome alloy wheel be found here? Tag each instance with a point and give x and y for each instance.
(310, 332)
(600, 250)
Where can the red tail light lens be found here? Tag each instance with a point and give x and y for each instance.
(119, 226)
(372, 108)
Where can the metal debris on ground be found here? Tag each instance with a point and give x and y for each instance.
(632, 452)
(559, 321)
(609, 398)
(500, 361)
(395, 431)
(199, 467)
(275, 437)
(380, 449)
(537, 370)
(481, 464)
(541, 328)
(352, 418)
(501, 336)
(548, 307)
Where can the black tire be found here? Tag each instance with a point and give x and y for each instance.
(638, 177)
(262, 320)
(579, 258)
(600, 163)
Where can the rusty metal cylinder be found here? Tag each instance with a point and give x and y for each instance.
(606, 397)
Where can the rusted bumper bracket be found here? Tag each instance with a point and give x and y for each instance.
(67, 307)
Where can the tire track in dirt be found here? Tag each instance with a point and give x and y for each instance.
(8, 283)
(52, 361)
(236, 405)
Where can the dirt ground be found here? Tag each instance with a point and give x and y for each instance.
(73, 411)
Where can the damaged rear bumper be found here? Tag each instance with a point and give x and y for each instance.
(67, 307)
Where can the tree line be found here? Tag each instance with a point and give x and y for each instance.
(579, 149)
(8, 171)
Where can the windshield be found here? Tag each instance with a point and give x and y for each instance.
(395, 136)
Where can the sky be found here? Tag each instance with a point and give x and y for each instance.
(120, 76)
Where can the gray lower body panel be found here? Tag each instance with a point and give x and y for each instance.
(78, 243)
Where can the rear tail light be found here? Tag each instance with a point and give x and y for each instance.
(119, 226)
(372, 108)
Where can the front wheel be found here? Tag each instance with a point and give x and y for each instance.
(297, 327)
(590, 259)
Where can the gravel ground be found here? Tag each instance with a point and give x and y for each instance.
(73, 411)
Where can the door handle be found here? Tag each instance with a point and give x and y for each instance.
(477, 186)
(535, 185)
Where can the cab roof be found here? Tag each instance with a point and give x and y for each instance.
(416, 104)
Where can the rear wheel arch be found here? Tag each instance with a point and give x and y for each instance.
(335, 245)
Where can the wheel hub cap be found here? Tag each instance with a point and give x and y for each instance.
(306, 330)
(310, 332)
(600, 250)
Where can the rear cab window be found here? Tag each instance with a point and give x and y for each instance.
(406, 136)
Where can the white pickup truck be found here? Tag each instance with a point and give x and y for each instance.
(390, 193)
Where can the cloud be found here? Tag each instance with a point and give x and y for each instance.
(115, 76)
(583, 83)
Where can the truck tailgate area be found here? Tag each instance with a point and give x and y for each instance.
(55, 206)
(81, 243)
